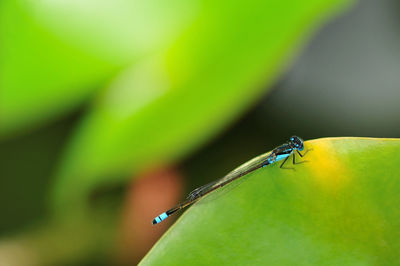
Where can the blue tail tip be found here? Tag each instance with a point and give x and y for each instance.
(160, 218)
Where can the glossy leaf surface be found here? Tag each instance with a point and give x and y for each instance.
(338, 207)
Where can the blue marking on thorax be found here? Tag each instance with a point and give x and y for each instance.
(281, 157)
(288, 150)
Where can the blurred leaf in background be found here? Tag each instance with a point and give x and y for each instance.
(56, 53)
(175, 98)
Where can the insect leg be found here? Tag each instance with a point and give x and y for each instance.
(284, 162)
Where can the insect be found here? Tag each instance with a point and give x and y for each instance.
(283, 152)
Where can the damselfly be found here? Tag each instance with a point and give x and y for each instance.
(283, 152)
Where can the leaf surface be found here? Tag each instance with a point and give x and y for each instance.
(338, 207)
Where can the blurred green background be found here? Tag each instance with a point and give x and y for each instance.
(95, 95)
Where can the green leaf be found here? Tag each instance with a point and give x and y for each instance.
(56, 54)
(339, 207)
(41, 74)
(175, 99)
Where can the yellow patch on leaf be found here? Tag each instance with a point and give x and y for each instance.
(325, 165)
